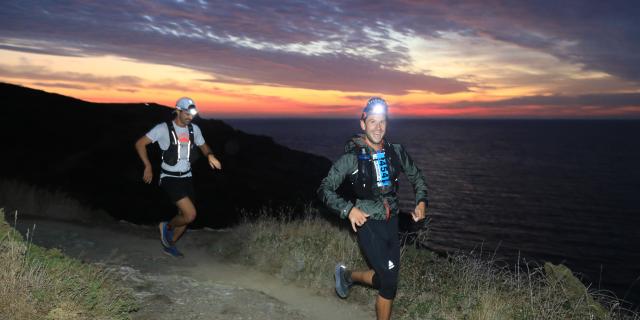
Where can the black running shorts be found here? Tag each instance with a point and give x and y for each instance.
(380, 244)
(178, 187)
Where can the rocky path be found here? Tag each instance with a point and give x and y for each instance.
(199, 286)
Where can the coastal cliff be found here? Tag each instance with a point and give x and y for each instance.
(86, 150)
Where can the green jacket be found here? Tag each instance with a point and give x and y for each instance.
(347, 165)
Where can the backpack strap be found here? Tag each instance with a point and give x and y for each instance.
(393, 156)
(173, 137)
(170, 156)
(192, 138)
(192, 141)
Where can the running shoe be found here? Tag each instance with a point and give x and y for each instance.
(342, 284)
(173, 251)
(166, 234)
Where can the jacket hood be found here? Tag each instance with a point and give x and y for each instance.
(356, 142)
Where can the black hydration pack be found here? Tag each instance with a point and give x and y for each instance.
(365, 180)
(172, 154)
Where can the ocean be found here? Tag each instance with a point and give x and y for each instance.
(565, 191)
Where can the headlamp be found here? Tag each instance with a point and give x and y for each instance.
(186, 104)
(375, 105)
(378, 108)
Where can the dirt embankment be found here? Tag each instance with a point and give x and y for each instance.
(199, 286)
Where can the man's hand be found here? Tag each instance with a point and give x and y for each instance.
(420, 212)
(213, 162)
(147, 176)
(357, 218)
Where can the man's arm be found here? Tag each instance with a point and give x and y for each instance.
(141, 148)
(416, 178)
(213, 161)
(327, 190)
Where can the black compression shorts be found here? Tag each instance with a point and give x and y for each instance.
(380, 244)
(178, 187)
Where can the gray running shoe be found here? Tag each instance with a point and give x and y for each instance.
(342, 284)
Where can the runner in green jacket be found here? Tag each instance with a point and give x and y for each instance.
(373, 165)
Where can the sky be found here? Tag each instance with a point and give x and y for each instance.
(279, 58)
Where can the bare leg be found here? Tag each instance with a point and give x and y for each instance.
(186, 214)
(383, 308)
(365, 277)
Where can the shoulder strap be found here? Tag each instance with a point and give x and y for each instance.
(173, 137)
(191, 135)
(394, 156)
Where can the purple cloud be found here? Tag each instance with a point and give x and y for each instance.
(614, 100)
(60, 85)
(601, 35)
(310, 45)
(35, 72)
(330, 45)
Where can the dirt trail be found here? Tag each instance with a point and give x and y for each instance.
(199, 286)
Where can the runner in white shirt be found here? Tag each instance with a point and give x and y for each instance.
(177, 140)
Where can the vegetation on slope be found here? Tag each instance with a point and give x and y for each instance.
(38, 283)
(458, 286)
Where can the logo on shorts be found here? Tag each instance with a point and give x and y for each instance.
(391, 265)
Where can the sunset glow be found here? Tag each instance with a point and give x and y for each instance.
(325, 59)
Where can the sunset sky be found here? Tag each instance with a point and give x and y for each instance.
(326, 58)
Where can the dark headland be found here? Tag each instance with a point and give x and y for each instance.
(86, 150)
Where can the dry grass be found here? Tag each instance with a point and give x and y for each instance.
(40, 202)
(459, 286)
(44, 284)
(17, 277)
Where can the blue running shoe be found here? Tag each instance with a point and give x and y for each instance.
(169, 235)
(173, 251)
(342, 284)
(166, 235)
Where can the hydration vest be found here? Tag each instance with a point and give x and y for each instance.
(377, 173)
(172, 154)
